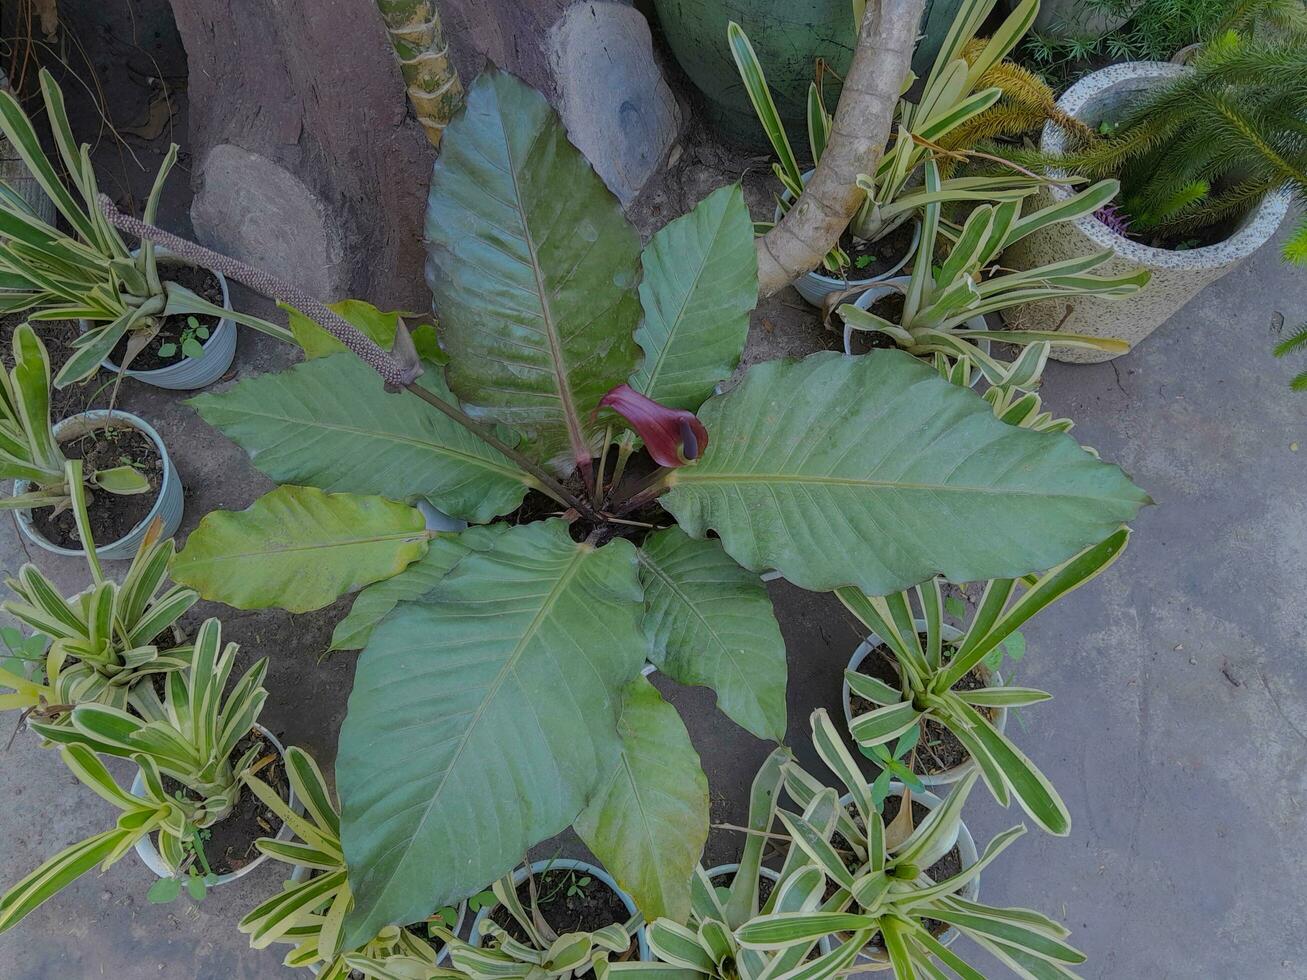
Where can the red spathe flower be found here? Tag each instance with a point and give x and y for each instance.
(673, 436)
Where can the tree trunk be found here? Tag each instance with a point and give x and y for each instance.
(858, 136)
(306, 159)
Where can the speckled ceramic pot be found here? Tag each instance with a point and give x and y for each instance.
(1177, 275)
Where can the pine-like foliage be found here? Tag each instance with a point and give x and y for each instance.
(1209, 146)
(1157, 29)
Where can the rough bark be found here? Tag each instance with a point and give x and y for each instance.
(859, 133)
(425, 61)
(298, 108)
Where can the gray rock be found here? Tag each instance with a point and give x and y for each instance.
(611, 93)
(259, 212)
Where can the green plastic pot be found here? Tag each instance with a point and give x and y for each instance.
(789, 36)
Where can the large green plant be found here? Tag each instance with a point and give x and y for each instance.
(498, 698)
(941, 296)
(929, 668)
(87, 274)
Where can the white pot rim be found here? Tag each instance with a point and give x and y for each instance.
(153, 860)
(568, 864)
(864, 649)
(224, 324)
(1253, 232)
(99, 415)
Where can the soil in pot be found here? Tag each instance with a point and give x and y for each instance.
(229, 844)
(58, 337)
(888, 307)
(765, 885)
(204, 284)
(870, 259)
(938, 749)
(569, 903)
(112, 515)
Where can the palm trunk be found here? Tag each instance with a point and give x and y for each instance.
(433, 84)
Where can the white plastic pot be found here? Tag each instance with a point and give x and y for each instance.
(730, 869)
(873, 293)
(873, 959)
(192, 372)
(950, 633)
(1177, 276)
(567, 864)
(153, 860)
(168, 505)
(816, 286)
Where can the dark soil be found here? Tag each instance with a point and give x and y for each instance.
(646, 518)
(230, 844)
(591, 907)
(877, 257)
(202, 283)
(938, 750)
(58, 337)
(888, 307)
(112, 515)
(765, 885)
(1197, 238)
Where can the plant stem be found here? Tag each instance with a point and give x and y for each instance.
(649, 488)
(399, 370)
(598, 495)
(624, 450)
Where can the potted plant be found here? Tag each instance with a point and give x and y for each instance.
(575, 597)
(900, 885)
(308, 912)
(134, 305)
(727, 897)
(114, 459)
(1203, 154)
(941, 307)
(885, 232)
(555, 915)
(189, 762)
(104, 644)
(947, 684)
(204, 745)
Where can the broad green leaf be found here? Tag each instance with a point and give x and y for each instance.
(708, 621)
(481, 719)
(374, 603)
(329, 423)
(648, 820)
(700, 282)
(378, 325)
(299, 549)
(874, 471)
(533, 268)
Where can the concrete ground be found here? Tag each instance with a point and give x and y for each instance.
(1177, 737)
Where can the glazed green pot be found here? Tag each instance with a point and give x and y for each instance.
(789, 36)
